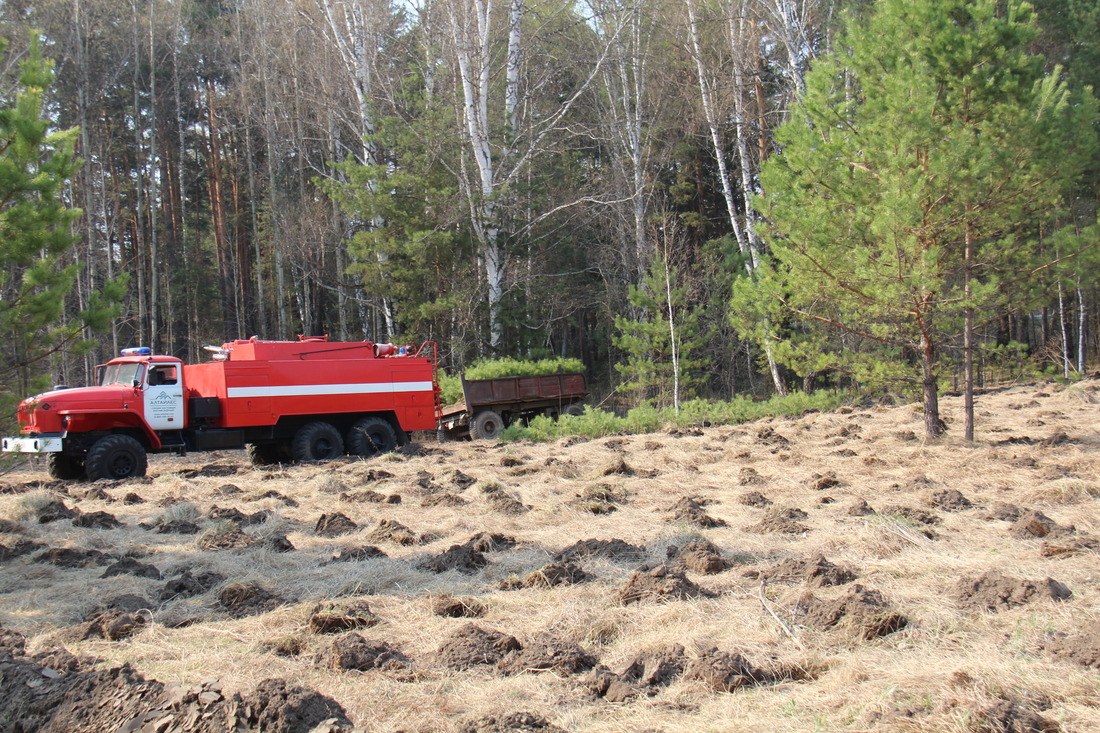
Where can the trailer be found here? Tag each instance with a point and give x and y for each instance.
(304, 400)
(490, 405)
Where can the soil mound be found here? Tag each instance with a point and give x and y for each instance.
(860, 612)
(661, 583)
(395, 532)
(188, 584)
(781, 521)
(554, 574)
(1010, 717)
(615, 550)
(994, 591)
(472, 645)
(334, 525)
(1034, 524)
(97, 520)
(913, 514)
(491, 542)
(247, 599)
(1067, 546)
(74, 557)
(859, 508)
(1082, 647)
(699, 556)
(462, 607)
(514, 723)
(754, 498)
(816, 572)
(950, 500)
(112, 625)
(460, 558)
(546, 653)
(11, 549)
(445, 500)
(278, 707)
(723, 671)
(645, 674)
(334, 617)
(225, 535)
(130, 566)
(352, 651)
(54, 511)
(355, 554)
(690, 510)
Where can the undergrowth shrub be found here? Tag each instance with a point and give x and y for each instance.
(595, 423)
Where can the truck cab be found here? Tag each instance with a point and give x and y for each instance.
(136, 405)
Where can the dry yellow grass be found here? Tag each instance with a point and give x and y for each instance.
(937, 674)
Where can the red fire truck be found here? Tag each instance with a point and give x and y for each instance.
(303, 400)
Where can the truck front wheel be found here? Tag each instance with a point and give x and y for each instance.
(115, 457)
(486, 425)
(371, 436)
(64, 468)
(316, 441)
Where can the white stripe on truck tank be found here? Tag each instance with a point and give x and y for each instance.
(318, 390)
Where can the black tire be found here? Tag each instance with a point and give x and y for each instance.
(64, 468)
(115, 457)
(486, 425)
(265, 454)
(575, 409)
(371, 436)
(316, 441)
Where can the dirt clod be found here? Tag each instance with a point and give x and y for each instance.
(393, 531)
(816, 572)
(661, 583)
(546, 653)
(247, 599)
(1034, 524)
(355, 554)
(699, 556)
(334, 525)
(460, 607)
(950, 500)
(860, 612)
(461, 558)
(333, 617)
(754, 498)
(780, 521)
(130, 566)
(472, 645)
(994, 591)
(513, 723)
(615, 550)
(188, 584)
(96, 520)
(689, 509)
(352, 651)
(1081, 646)
(555, 574)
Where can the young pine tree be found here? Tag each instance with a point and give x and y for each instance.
(660, 345)
(927, 148)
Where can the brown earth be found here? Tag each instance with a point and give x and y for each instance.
(830, 571)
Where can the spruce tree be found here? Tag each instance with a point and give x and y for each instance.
(927, 147)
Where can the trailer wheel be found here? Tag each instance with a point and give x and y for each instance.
(115, 457)
(264, 454)
(371, 436)
(486, 425)
(575, 409)
(316, 441)
(64, 468)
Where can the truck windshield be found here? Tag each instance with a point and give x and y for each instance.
(124, 373)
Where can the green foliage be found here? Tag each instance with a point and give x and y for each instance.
(595, 423)
(493, 368)
(659, 368)
(36, 236)
(451, 386)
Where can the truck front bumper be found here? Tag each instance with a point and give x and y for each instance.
(45, 443)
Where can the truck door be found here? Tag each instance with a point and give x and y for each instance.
(164, 397)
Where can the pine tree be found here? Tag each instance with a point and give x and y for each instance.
(926, 150)
(36, 237)
(662, 341)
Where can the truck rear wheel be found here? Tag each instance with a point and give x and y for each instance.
(371, 436)
(576, 409)
(64, 468)
(115, 457)
(486, 425)
(316, 441)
